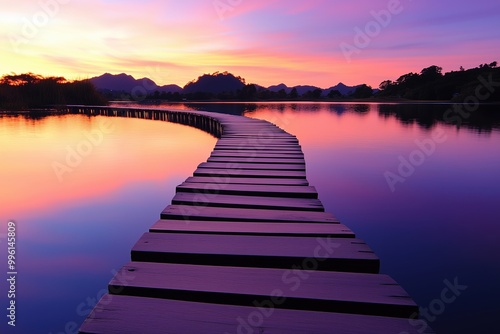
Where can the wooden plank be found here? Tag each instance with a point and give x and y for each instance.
(258, 141)
(248, 202)
(256, 166)
(115, 314)
(241, 180)
(331, 254)
(251, 135)
(249, 190)
(246, 228)
(265, 148)
(244, 143)
(246, 173)
(258, 160)
(255, 132)
(368, 294)
(230, 154)
(186, 212)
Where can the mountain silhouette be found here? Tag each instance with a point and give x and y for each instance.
(215, 83)
(127, 83)
(301, 90)
(343, 89)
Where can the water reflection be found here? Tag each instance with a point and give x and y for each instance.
(482, 118)
(441, 223)
(73, 231)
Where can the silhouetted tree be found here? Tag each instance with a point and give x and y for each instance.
(431, 84)
(282, 94)
(248, 93)
(363, 91)
(387, 84)
(431, 73)
(35, 91)
(334, 93)
(316, 94)
(294, 94)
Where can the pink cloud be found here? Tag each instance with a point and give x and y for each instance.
(291, 38)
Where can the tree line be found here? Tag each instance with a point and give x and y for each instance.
(33, 91)
(251, 92)
(432, 84)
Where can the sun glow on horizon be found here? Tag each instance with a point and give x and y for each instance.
(265, 42)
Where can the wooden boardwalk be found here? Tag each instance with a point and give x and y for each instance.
(246, 247)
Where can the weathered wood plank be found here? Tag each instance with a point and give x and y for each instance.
(259, 228)
(261, 154)
(248, 202)
(186, 212)
(368, 294)
(242, 180)
(274, 144)
(262, 135)
(258, 160)
(256, 166)
(249, 190)
(246, 173)
(254, 140)
(265, 148)
(329, 254)
(258, 141)
(115, 314)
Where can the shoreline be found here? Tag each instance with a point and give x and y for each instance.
(55, 110)
(350, 101)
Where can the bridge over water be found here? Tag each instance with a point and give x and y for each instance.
(246, 247)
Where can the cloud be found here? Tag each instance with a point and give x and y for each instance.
(291, 38)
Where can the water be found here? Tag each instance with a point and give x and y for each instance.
(439, 224)
(74, 230)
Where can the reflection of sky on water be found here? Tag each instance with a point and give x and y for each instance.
(441, 223)
(72, 234)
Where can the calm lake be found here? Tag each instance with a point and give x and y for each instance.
(419, 183)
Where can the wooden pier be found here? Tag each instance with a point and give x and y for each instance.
(246, 247)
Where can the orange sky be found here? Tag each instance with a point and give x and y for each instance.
(116, 156)
(314, 42)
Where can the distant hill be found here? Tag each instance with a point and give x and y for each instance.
(219, 85)
(279, 87)
(343, 89)
(127, 83)
(301, 90)
(216, 83)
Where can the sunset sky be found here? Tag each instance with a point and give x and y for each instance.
(314, 42)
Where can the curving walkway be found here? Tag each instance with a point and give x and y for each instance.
(246, 247)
